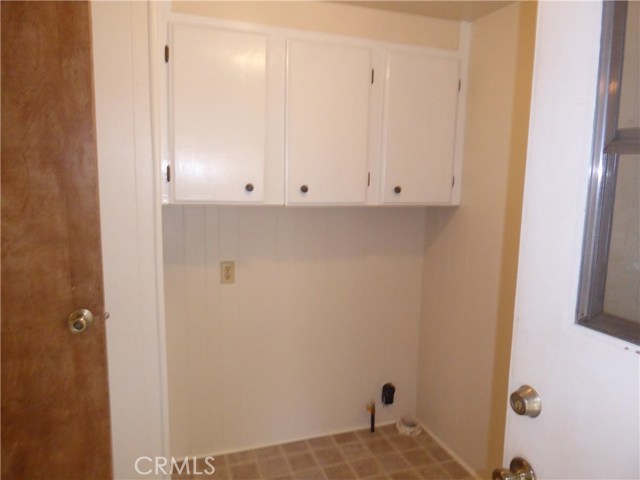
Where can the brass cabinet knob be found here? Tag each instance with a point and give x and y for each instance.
(398, 189)
(79, 320)
(519, 469)
(526, 401)
(304, 188)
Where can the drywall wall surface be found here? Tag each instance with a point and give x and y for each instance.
(471, 252)
(324, 310)
(331, 17)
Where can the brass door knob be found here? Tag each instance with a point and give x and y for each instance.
(79, 320)
(519, 469)
(526, 401)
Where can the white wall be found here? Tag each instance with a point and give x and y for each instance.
(129, 214)
(333, 17)
(471, 252)
(324, 311)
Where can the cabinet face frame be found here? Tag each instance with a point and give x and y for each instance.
(275, 173)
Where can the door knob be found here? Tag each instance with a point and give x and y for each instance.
(526, 401)
(79, 320)
(519, 469)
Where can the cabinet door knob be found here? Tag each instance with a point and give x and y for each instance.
(398, 189)
(304, 188)
(249, 187)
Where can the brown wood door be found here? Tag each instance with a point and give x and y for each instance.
(55, 403)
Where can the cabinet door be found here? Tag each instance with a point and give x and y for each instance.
(327, 118)
(218, 87)
(419, 122)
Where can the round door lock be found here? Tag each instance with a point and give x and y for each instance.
(80, 320)
(519, 469)
(526, 401)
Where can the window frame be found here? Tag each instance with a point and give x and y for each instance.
(609, 143)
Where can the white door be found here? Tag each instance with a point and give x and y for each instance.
(588, 382)
(327, 122)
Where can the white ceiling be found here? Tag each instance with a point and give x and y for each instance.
(452, 10)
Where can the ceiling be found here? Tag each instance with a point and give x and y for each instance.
(452, 10)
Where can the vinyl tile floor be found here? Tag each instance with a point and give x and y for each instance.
(385, 454)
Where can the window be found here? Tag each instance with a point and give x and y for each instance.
(609, 296)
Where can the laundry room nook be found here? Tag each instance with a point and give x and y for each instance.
(336, 201)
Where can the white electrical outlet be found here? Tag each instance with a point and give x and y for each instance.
(227, 272)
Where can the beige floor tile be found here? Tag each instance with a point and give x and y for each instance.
(354, 450)
(385, 454)
(223, 472)
(267, 452)
(439, 453)
(339, 472)
(273, 467)
(246, 456)
(328, 456)
(245, 471)
(366, 467)
(404, 442)
(368, 434)
(425, 439)
(313, 474)
(393, 462)
(295, 447)
(301, 461)
(347, 437)
(218, 460)
(418, 457)
(379, 446)
(432, 472)
(389, 430)
(455, 470)
(181, 476)
(406, 475)
(321, 442)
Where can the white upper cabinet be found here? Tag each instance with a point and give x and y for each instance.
(219, 114)
(419, 128)
(253, 114)
(327, 122)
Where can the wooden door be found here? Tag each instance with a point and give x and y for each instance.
(55, 403)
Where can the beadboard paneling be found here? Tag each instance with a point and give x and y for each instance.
(325, 309)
